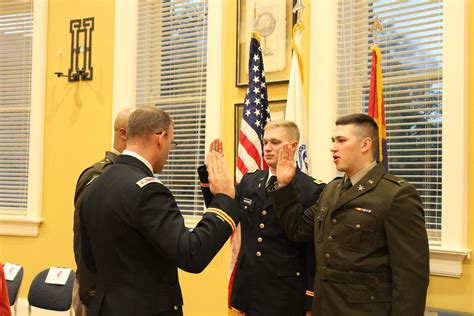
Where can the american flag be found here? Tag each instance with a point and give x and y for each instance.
(254, 117)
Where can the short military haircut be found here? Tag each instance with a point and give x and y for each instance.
(147, 120)
(291, 129)
(364, 123)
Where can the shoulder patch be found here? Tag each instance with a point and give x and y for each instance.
(317, 181)
(147, 180)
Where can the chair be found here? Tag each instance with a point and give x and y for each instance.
(53, 297)
(14, 288)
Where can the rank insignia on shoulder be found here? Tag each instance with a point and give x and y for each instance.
(252, 171)
(143, 182)
(317, 181)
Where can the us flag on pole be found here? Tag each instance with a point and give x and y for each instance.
(254, 117)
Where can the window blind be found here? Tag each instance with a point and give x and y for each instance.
(411, 46)
(16, 31)
(171, 74)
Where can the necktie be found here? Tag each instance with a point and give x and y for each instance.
(271, 181)
(346, 186)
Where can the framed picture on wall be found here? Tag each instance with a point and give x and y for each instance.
(273, 21)
(277, 111)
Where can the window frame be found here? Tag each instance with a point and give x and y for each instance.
(125, 70)
(446, 257)
(29, 225)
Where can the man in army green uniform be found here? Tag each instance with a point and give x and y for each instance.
(368, 228)
(84, 285)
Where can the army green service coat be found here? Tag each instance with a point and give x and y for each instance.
(371, 245)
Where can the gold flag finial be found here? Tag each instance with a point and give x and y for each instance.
(255, 16)
(299, 6)
(376, 28)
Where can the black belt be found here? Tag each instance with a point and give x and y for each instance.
(373, 279)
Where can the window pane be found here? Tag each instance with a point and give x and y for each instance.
(16, 30)
(171, 68)
(411, 46)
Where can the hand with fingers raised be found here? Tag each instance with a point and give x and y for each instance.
(220, 180)
(216, 145)
(286, 167)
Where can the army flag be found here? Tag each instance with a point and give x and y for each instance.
(296, 105)
(255, 116)
(376, 106)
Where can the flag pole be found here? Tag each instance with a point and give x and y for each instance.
(295, 102)
(298, 8)
(375, 29)
(376, 108)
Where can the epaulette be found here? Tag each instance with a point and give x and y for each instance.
(252, 171)
(147, 180)
(317, 181)
(394, 179)
(103, 163)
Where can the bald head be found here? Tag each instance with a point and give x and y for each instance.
(120, 129)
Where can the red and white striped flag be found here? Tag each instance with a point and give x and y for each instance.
(255, 116)
(254, 119)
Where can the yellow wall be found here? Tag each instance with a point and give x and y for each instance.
(78, 130)
(77, 121)
(458, 294)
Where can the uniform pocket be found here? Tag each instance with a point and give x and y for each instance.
(319, 223)
(361, 293)
(167, 298)
(289, 268)
(359, 230)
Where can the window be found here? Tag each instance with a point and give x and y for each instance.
(22, 29)
(411, 45)
(423, 77)
(171, 61)
(175, 49)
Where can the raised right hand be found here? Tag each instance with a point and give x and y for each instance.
(286, 167)
(216, 145)
(220, 180)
